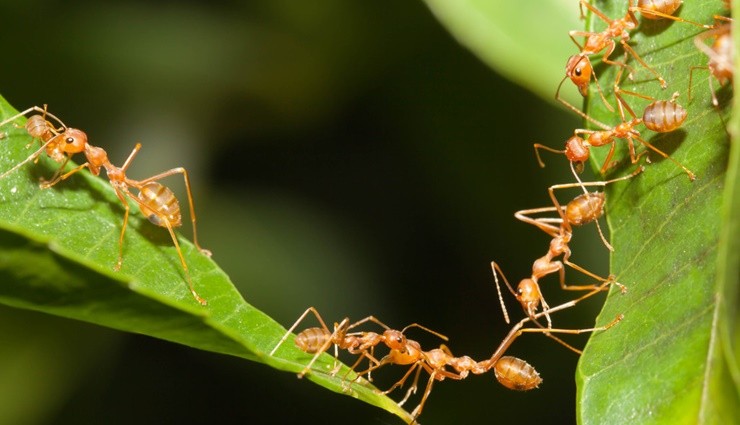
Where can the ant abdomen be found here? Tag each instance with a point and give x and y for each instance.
(312, 340)
(516, 374)
(585, 208)
(664, 116)
(159, 203)
(666, 7)
(38, 128)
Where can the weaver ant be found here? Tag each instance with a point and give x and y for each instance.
(720, 53)
(511, 372)
(317, 340)
(579, 68)
(156, 201)
(583, 209)
(660, 116)
(59, 143)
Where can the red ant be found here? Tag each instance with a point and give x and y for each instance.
(510, 371)
(58, 143)
(156, 201)
(317, 340)
(579, 68)
(660, 116)
(720, 53)
(584, 209)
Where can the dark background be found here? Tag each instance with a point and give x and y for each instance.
(345, 155)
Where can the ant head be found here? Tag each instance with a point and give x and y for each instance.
(74, 140)
(577, 149)
(395, 340)
(528, 294)
(579, 70)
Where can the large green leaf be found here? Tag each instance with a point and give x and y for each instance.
(516, 38)
(671, 360)
(57, 251)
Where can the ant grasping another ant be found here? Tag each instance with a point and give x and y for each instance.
(579, 68)
(512, 372)
(661, 116)
(317, 340)
(583, 209)
(156, 201)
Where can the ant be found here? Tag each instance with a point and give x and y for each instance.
(317, 340)
(156, 201)
(579, 68)
(583, 209)
(660, 116)
(511, 372)
(720, 54)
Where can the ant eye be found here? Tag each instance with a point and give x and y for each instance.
(70, 140)
(579, 72)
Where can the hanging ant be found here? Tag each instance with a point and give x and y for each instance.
(511, 372)
(583, 209)
(156, 201)
(317, 340)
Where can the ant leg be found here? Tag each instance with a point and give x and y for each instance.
(515, 330)
(168, 225)
(654, 14)
(338, 328)
(637, 57)
(38, 109)
(56, 178)
(368, 319)
(542, 223)
(33, 156)
(596, 12)
(688, 172)
(126, 207)
(297, 322)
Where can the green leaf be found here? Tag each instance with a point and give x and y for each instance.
(671, 360)
(58, 247)
(525, 41)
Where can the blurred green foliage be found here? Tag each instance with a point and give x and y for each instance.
(345, 155)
